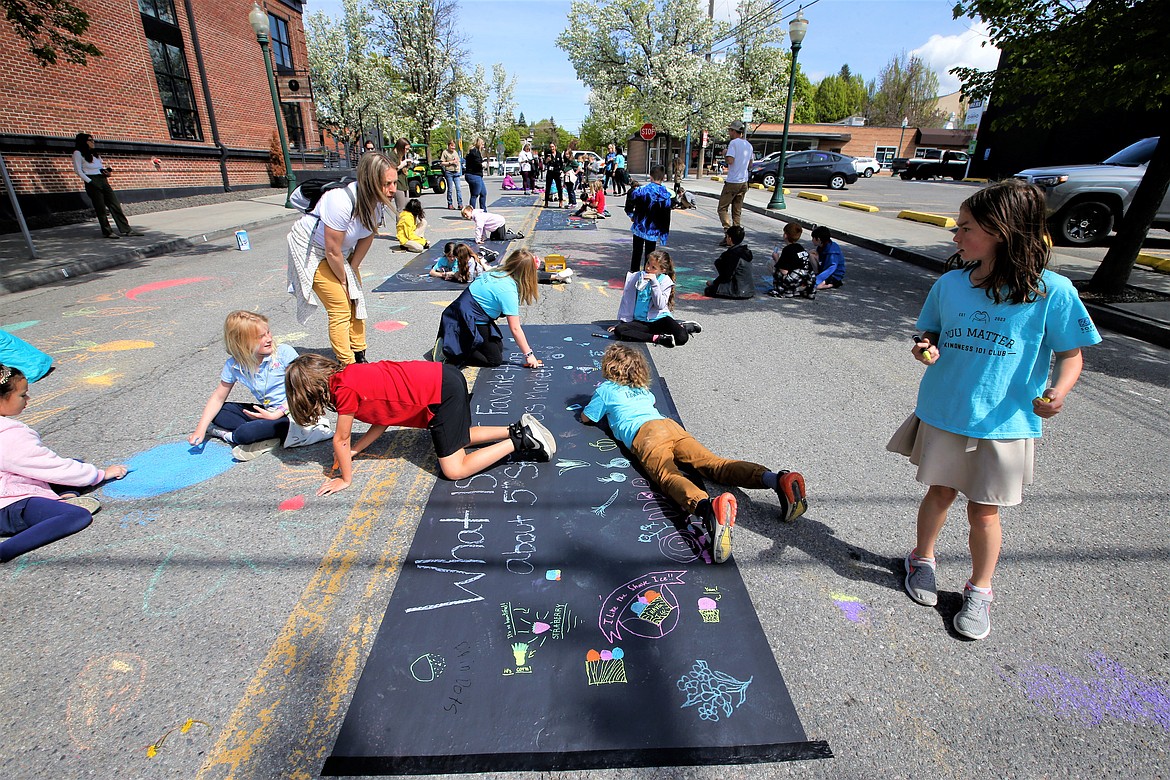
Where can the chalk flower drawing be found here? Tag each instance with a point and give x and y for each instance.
(712, 691)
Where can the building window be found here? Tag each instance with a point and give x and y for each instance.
(885, 154)
(281, 43)
(293, 125)
(170, 69)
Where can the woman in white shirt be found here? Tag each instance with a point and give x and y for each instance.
(95, 175)
(527, 166)
(326, 246)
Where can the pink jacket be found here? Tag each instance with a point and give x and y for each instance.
(28, 467)
(485, 223)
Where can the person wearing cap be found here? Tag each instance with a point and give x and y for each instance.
(735, 185)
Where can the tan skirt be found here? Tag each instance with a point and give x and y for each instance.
(986, 471)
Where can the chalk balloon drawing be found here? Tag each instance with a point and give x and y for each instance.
(170, 467)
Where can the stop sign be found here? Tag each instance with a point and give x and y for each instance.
(648, 132)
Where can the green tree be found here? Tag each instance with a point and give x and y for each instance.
(758, 61)
(612, 119)
(502, 106)
(906, 88)
(1072, 58)
(839, 96)
(51, 29)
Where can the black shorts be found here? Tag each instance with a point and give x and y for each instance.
(451, 426)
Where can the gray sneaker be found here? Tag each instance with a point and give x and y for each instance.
(533, 439)
(920, 582)
(974, 619)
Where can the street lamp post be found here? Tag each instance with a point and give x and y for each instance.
(796, 30)
(905, 122)
(259, 21)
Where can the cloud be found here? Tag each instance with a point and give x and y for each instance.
(943, 52)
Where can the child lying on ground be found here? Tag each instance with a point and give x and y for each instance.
(413, 394)
(662, 448)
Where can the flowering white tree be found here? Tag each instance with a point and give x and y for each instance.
(502, 114)
(421, 39)
(352, 87)
(658, 48)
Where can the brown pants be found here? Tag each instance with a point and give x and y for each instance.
(662, 446)
(732, 196)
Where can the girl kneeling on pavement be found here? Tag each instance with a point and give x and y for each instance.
(413, 394)
(989, 332)
(663, 449)
(468, 333)
(326, 247)
(32, 514)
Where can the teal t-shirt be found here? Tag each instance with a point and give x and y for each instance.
(642, 301)
(628, 409)
(994, 359)
(497, 294)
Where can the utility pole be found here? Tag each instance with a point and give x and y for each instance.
(703, 148)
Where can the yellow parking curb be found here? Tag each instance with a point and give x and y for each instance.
(813, 196)
(977, 180)
(1154, 262)
(859, 206)
(786, 190)
(929, 219)
(755, 185)
(716, 178)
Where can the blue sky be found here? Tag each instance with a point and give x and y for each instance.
(865, 34)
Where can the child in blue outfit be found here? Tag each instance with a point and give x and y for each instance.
(648, 208)
(662, 448)
(990, 330)
(830, 258)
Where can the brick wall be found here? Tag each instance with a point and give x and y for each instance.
(115, 97)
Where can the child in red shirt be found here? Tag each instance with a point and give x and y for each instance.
(594, 205)
(413, 394)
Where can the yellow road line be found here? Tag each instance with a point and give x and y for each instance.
(306, 759)
(253, 722)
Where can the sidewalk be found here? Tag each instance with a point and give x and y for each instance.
(929, 247)
(75, 250)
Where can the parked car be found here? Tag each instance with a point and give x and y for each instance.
(511, 166)
(833, 170)
(899, 164)
(866, 166)
(1086, 201)
(949, 164)
(596, 161)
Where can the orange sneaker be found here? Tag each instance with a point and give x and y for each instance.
(720, 523)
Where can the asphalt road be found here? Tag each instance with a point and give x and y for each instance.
(235, 610)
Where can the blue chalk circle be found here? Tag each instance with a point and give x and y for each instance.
(170, 467)
(618, 654)
(637, 608)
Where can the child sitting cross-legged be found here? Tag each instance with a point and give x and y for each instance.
(646, 312)
(662, 448)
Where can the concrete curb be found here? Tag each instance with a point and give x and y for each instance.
(1115, 319)
(30, 280)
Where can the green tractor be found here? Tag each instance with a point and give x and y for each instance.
(422, 176)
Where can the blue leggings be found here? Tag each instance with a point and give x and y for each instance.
(245, 429)
(34, 522)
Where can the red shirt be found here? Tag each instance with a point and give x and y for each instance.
(388, 393)
(599, 201)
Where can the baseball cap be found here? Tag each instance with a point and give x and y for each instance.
(737, 126)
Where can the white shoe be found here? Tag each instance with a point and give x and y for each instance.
(564, 276)
(255, 449)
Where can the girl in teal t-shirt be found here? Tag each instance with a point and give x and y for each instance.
(989, 331)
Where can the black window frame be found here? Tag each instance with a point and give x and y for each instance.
(176, 89)
(280, 39)
(294, 129)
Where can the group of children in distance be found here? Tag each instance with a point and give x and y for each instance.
(973, 430)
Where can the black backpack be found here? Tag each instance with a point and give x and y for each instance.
(304, 198)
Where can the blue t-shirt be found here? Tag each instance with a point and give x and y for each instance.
(497, 294)
(994, 358)
(267, 384)
(628, 409)
(444, 264)
(642, 301)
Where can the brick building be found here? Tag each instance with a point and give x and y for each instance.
(179, 103)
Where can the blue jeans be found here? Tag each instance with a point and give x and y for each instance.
(35, 522)
(246, 430)
(478, 190)
(453, 184)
